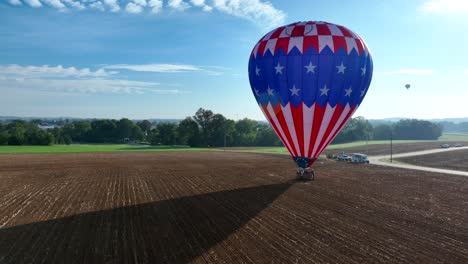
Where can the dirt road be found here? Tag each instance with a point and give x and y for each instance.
(384, 161)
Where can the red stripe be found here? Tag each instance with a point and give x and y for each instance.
(359, 45)
(345, 120)
(345, 31)
(282, 43)
(310, 41)
(318, 116)
(277, 33)
(338, 42)
(298, 31)
(322, 29)
(282, 121)
(265, 110)
(297, 114)
(331, 125)
(261, 47)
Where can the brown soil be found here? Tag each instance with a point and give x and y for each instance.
(224, 207)
(453, 160)
(384, 149)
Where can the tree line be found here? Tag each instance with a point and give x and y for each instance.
(203, 129)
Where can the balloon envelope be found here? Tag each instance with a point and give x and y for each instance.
(309, 78)
(407, 86)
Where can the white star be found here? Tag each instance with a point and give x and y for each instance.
(324, 90)
(348, 91)
(279, 68)
(257, 71)
(294, 91)
(310, 68)
(363, 92)
(270, 91)
(363, 69)
(257, 92)
(341, 68)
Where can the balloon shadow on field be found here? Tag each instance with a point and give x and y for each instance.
(169, 231)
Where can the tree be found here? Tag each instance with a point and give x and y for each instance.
(203, 118)
(124, 129)
(266, 136)
(3, 138)
(246, 131)
(167, 133)
(145, 126)
(188, 132)
(216, 131)
(382, 132)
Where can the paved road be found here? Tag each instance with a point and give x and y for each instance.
(379, 160)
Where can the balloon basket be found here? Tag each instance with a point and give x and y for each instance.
(305, 174)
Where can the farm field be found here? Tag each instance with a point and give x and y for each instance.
(373, 148)
(224, 207)
(454, 160)
(78, 148)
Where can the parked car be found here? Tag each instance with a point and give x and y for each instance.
(445, 146)
(344, 158)
(458, 145)
(359, 158)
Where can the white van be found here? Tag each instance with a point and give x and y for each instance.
(359, 158)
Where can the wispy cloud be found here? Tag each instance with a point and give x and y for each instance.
(88, 86)
(162, 68)
(448, 7)
(15, 2)
(97, 5)
(33, 3)
(133, 8)
(169, 68)
(202, 4)
(156, 6)
(411, 72)
(258, 11)
(113, 5)
(46, 71)
(71, 80)
(178, 5)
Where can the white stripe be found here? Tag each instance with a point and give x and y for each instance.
(310, 30)
(325, 41)
(334, 30)
(277, 124)
(292, 130)
(271, 44)
(268, 35)
(287, 32)
(255, 50)
(295, 42)
(337, 125)
(308, 121)
(351, 44)
(323, 127)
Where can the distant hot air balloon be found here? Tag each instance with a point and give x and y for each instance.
(407, 86)
(309, 78)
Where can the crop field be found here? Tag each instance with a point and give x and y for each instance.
(373, 148)
(224, 207)
(78, 148)
(454, 160)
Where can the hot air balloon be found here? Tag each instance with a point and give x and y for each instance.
(407, 86)
(308, 79)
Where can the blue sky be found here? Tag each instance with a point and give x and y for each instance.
(165, 59)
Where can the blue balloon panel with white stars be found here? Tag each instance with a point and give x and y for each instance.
(308, 78)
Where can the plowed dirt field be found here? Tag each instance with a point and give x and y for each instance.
(453, 160)
(224, 207)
